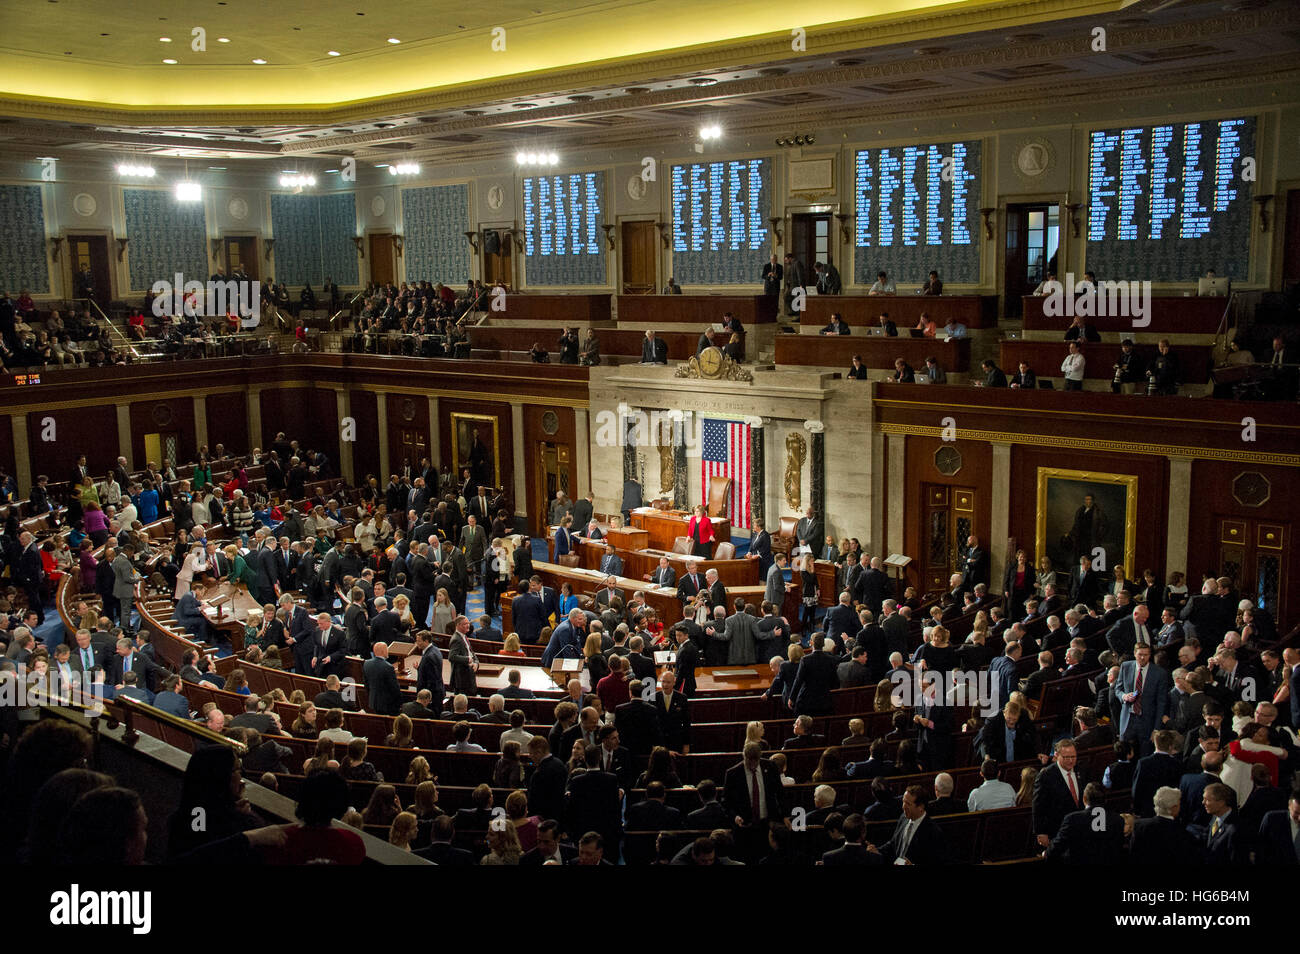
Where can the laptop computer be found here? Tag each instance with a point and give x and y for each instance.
(916, 333)
(1212, 287)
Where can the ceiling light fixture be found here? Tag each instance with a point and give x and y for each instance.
(223, 39)
(710, 132)
(135, 172)
(297, 181)
(393, 39)
(188, 192)
(259, 62)
(170, 62)
(164, 39)
(335, 53)
(536, 158)
(404, 169)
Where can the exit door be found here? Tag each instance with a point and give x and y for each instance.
(496, 258)
(810, 241)
(162, 448)
(552, 477)
(381, 258)
(949, 515)
(92, 276)
(241, 255)
(1253, 554)
(1033, 237)
(640, 255)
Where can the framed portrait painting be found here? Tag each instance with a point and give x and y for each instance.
(1085, 512)
(474, 444)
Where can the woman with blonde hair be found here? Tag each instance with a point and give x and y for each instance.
(297, 697)
(1025, 794)
(403, 831)
(596, 663)
(981, 623)
(700, 530)
(511, 646)
(754, 733)
(405, 621)
(419, 771)
(402, 736)
(1046, 574)
(884, 701)
(503, 845)
(444, 612)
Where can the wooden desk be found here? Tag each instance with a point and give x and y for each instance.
(587, 582)
(642, 563)
(1045, 357)
(665, 526)
(877, 351)
(575, 309)
(234, 613)
(652, 311)
(973, 311)
(1170, 314)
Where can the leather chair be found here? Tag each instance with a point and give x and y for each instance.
(682, 545)
(719, 495)
(726, 550)
(783, 541)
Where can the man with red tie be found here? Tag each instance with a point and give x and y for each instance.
(691, 583)
(752, 791)
(1144, 691)
(1058, 790)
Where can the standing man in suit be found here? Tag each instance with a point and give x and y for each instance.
(691, 582)
(594, 802)
(1058, 790)
(527, 613)
(809, 531)
(977, 564)
(638, 722)
(1085, 588)
(916, 839)
(429, 675)
(1144, 691)
(816, 677)
(548, 778)
(1162, 840)
(673, 711)
(1163, 767)
(474, 541)
(654, 350)
(717, 592)
(1131, 632)
(464, 664)
(1225, 842)
(895, 628)
(934, 720)
(1279, 835)
(124, 580)
(382, 691)
(583, 509)
(760, 549)
(774, 581)
(328, 648)
(127, 659)
(740, 632)
(772, 274)
(794, 283)
(752, 792)
(688, 658)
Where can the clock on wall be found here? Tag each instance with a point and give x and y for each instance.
(550, 423)
(947, 460)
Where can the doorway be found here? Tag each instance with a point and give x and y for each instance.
(162, 447)
(949, 520)
(1291, 240)
(412, 446)
(381, 258)
(241, 254)
(1253, 554)
(496, 258)
(640, 257)
(552, 476)
(92, 276)
(1033, 238)
(810, 241)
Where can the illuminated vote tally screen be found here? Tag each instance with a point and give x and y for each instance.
(1168, 202)
(720, 212)
(917, 210)
(562, 235)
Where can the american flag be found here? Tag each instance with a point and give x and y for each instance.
(725, 453)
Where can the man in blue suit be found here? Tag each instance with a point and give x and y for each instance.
(760, 549)
(1279, 835)
(527, 614)
(611, 563)
(1144, 691)
(570, 634)
(429, 675)
(1003, 671)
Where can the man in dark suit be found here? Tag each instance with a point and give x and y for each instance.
(638, 722)
(527, 613)
(935, 721)
(546, 781)
(809, 530)
(977, 564)
(1129, 631)
(328, 649)
(760, 549)
(854, 672)
(1058, 790)
(594, 801)
(614, 756)
(895, 628)
(841, 620)
(611, 563)
(549, 847)
(664, 574)
(673, 710)
(803, 736)
(128, 659)
(429, 675)
(916, 839)
(654, 350)
(711, 814)
(442, 851)
(1191, 792)
(384, 626)
(1092, 836)
(1085, 587)
(1162, 840)
(1225, 842)
(651, 814)
(853, 851)
(691, 583)
(383, 694)
(688, 657)
(1279, 835)
(717, 592)
(418, 708)
(752, 792)
(814, 681)
(1161, 768)
(1144, 691)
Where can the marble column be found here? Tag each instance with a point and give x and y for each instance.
(1000, 510)
(681, 488)
(520, 490)
(581, 452)
(1180, 500)
(22, 452)
(757, 470)
(200, 421)
(124, 437)
(381, 407)
(253, 407)
(344, 404)
(876, 534)
(895, 498)
(817, 469)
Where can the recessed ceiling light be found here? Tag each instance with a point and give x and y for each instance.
(335, 53)
(170, 62)
(223, 39)
(164, 39)
(704, 81)
(217, 168)
(260, 62)
(331, 170)
(393, 39)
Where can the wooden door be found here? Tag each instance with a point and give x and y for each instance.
(412, 446)
(640, 258)
(552, 462)
(1253, 553)
(810, 241)
(241, 253)
(162, 447)
(1291, 240)
(88, 258)
(948, 516)
(381, 257)
(1033, 236)
(496, 258)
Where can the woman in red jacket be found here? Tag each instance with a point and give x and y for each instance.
(700, 531)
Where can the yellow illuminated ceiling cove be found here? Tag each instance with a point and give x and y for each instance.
(57, 53)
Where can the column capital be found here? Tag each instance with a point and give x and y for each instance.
(753, 421)
(814, 427)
